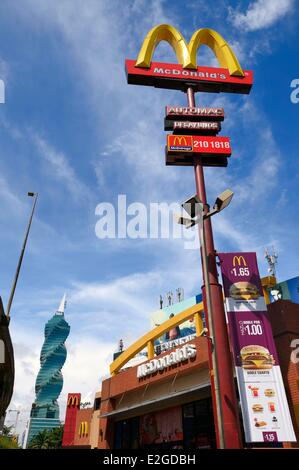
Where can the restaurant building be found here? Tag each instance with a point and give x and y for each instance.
(158, 395)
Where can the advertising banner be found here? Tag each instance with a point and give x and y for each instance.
(286, 290)
(265, 410)
(180, 334)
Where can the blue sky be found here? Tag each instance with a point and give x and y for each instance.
(75, 132)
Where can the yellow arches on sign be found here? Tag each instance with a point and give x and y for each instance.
(186, 53)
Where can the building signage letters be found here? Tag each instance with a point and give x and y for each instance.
(201, 126)
(185, 112)
(160, 348)
(179, 355)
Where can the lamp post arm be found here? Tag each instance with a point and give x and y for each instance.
(20, 260)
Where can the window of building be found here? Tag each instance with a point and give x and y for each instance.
(97, 404)
(127, 434)
(198, 425)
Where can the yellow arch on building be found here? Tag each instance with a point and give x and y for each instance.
(186, 53)
(148, 339)
(83, 429)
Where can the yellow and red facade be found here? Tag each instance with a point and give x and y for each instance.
(161, 407)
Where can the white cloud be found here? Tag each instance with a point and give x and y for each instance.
(262, 14)
(59, 167)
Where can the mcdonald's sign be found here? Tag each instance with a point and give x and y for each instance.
(73, 400)
(230, 77)
(239, 260)
(180, 143)
(180, 150)
(199, 144)
(83, 429)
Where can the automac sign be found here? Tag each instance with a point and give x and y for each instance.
(188, 351)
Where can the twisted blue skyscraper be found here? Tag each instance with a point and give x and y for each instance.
(49, 382)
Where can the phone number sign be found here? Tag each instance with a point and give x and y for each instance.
(199, 144)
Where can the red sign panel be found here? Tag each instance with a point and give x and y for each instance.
(73, 406)
(198, 144)
(173, 76)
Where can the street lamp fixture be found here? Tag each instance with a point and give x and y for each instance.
(222, 201)
(194, 208)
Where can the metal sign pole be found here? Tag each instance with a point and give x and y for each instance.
(227, 394)
(212, 345)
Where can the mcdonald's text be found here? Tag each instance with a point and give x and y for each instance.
(179, 355)
(174, 76)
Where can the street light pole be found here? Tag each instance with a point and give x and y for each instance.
(34, 195)
(226, 414)
(214, 374)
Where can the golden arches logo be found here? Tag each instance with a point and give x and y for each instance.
(186, 53)
(83, 429)
(238, 260)
(180, 140)
(73, 400)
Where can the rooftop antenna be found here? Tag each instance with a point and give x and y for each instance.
(120, 345)
(161, 302)
(180, 294)
(170, 298)
(272, 261)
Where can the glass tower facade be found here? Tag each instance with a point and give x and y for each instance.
(49, 382)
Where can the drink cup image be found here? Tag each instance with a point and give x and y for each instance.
(254, 391)
(271, 407)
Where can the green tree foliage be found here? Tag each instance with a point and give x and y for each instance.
(47, 439)
(8, 442)
(7, 439)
